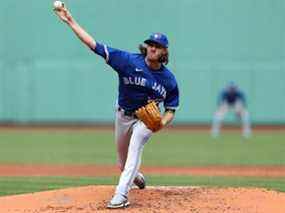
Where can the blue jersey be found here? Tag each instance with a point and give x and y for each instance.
(231, 96)
(137, 82)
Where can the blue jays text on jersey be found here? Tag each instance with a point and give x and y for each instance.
(137, 82)
(142, 82)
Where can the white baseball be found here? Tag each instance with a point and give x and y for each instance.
(58, 5)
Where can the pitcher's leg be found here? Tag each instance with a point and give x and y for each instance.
(139, 137)
(123, 130)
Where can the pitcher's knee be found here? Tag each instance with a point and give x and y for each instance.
(143, 135)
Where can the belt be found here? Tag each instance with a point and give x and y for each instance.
(128, 113)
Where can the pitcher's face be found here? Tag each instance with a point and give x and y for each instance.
(154, 52)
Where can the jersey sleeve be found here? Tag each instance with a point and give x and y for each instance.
(116, 58)
(172, 99)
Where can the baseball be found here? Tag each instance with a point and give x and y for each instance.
(58, 5)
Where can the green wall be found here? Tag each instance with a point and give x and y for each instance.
(47, 75)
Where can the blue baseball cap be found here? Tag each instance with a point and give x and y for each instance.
(158, 38)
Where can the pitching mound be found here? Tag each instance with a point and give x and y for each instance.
(152, 199)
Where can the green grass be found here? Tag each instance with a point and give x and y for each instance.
(164, 149)
(20, 185)
(194, 149)
(57, 147)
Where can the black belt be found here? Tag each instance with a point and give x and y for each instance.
(128, 113)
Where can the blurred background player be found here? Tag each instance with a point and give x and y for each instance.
(231, 98)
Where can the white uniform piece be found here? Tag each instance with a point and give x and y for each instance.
(131, 135)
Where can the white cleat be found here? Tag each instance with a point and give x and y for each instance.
(139, 181)
(118, 201)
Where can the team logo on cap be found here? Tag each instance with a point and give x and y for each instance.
(157, 35)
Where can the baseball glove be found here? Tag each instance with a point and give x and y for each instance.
(150, 115)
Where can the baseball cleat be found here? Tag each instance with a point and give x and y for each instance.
(139, 181)
(118, 201)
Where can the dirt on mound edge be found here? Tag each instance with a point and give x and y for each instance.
(152, 199)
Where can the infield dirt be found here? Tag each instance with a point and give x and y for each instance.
(152, 199)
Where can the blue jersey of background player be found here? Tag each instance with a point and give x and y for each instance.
(142, 77)
(231, 94)
(138, 83)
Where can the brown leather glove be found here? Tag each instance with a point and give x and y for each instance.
(150, 115)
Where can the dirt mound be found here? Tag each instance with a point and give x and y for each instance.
(153, 199)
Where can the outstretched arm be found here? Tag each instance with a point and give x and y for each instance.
(64, 14)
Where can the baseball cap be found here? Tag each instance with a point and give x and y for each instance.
(231, 85)
(158, 38)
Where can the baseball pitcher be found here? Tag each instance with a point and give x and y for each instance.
(144, 83)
